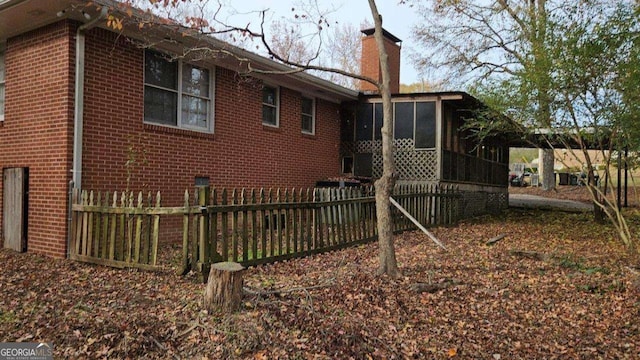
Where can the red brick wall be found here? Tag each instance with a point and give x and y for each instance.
(370, 64)
(37, 131)
(241, 152)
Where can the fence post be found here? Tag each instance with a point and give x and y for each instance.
(70, 219)
(186, 264)
(459, 202)
(204, 263)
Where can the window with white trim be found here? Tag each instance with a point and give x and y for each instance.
(270, 105)
(177, 94)
(308, 115)
(2, 86)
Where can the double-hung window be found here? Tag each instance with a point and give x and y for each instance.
(308, 115)
(2, 86)
(270, 105)
(177, 94)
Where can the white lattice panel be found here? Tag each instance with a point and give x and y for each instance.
(411, 164)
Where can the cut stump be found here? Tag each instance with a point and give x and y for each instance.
(224, 287)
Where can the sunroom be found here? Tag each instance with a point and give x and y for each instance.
(432, 144)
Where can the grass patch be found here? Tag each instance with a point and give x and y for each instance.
(572, 263)
(7, 317)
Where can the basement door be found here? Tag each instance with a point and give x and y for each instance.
(14, 208)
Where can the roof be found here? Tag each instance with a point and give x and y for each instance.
(443, 95)
(20, 16)
(559, 138)
(386, 34)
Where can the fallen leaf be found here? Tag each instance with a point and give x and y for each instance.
(452, 352)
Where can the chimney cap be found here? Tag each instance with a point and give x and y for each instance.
(385, 33)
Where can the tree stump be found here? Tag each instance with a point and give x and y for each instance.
(224, 287)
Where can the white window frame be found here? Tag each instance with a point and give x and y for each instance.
(276, 106)
(312, 115)
(3, 81)
(210, 110)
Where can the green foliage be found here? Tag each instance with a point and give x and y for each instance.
(417, 87)
(592, 47)
(522, 155)
(569, 68)
(569, 65)
(577, 263)
(7, 317)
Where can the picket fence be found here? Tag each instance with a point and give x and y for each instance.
(247, 226)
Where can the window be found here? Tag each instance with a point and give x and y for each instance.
(270, 103)
(378, 121)
(308, 116)
(369, 122)
(2, 101)
(403, 120)
(170, 86)
(425, 137)
(412, 120)
(202, 181)
(347, 165)
(364, 123)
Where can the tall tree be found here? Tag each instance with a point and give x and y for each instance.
(384, 186)
(200, 25)
(480, 42)
(342, 50)
(562, 66)
(421, 86)
(288, 40)
(592, 50)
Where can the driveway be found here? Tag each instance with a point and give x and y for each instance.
(526, 201)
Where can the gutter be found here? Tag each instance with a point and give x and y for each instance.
(7, 4)
(78, 119)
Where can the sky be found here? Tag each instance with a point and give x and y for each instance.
(397, 19)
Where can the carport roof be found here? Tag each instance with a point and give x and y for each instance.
(559, 138)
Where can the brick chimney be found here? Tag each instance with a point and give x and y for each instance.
(370, 61)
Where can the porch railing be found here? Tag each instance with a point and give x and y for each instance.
(470, 169)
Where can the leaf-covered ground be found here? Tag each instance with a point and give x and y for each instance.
(556, 287)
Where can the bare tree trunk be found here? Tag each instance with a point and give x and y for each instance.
(546, 160)
(598, 203)
(384, 186)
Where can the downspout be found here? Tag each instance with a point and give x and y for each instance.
(79, 98)
(76, 171)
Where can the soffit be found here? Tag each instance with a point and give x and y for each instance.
(20, 16)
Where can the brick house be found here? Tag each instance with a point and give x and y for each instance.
(81, 103)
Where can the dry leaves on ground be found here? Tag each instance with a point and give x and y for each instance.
(577, 298)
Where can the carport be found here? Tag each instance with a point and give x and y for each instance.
(549, 139)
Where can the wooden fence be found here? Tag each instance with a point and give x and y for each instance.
(246, 226)
(114, 230)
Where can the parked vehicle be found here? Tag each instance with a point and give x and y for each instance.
(517, 180)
